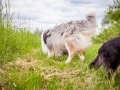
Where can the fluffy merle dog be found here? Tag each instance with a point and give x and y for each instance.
(73, 37)
(109, 57)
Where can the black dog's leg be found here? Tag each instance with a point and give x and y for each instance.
(109, 75)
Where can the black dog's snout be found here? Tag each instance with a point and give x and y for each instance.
(91, 66)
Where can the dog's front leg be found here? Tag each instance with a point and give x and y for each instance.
(69, 58)
(71, 51)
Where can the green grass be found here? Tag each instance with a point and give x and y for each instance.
(36, 72)
(23, 66)
(14, 41)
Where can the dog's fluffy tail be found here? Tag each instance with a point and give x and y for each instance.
(91, 22)
(91, 16)
(44, 47)
(91, 12)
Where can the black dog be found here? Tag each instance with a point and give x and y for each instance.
(108, 57)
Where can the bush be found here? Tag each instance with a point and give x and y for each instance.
(108, 33)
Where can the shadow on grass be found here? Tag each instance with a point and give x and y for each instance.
(117, 81)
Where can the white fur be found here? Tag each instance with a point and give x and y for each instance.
(91, 12)
(82, 58)
(44, 47)
(74, 37)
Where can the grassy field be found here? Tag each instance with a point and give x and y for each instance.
(23, 66)
(36, 72)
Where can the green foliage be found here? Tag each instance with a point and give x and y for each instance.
(15, 42)
(108, 33)
(112, 14)
(110, 22)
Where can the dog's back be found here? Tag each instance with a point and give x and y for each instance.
(54, 39)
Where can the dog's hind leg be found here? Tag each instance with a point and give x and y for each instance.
(81, 55)
(50, 53)
(71, 51)
(115, 72)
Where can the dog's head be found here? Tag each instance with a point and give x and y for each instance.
(108, 57)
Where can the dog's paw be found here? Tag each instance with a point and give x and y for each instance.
(67, 62)
(82, 58)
